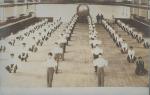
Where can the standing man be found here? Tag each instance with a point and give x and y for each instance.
(58, 54)
(52, 64)
(98, 18)
(100, 62)
(62, 42)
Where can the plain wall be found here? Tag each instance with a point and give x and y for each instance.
(6, 12)
(66, 11)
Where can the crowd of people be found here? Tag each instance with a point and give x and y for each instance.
(99, 61)
(19, 46)
(135, 35)
(57, 52)
(120, 42)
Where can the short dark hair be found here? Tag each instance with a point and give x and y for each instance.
(100, 54)
(12, 55)
(50, 54)
(139, 57)
(131, 47)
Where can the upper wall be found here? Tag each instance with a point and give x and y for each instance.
(109, 10)
(15, 11)
(66, 11)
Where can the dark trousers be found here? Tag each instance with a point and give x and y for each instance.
(100, 74)
(12, 68)
(146, 45)
(131, 60)
(123, 51)
(63, 45)
(95, 56)
(50, 73)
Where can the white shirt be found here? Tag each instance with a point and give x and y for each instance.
(95, 42)
(120, 39)
(139, 35)
(4, 42)
(131, 52)
(134, 33)
(116, 36)
(62, 40)
(57, 50)
(100, 62)
(146, 41)
(51, 62)
(97, 51)
(131, 29)
(124, 45)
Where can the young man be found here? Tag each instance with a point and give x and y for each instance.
(140, 70)
(146, 43)
(94, 43)
(119, 41)
(12, 66)
(139, 37)
(58, 52)
(3, 44)
(131, 55)
(100, 63)
(96, 52)
(98, 17)
(124, 47)
(62, 42)
(51, 65)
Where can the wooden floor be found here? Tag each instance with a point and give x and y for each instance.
(119, 72)
(77, 69)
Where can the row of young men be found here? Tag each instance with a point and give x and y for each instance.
(134, 34)
(21, 48)
(57, 53)
(96, 48)
(140, 70)
(116, 38)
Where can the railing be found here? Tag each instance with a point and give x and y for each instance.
(142, 19)
(14, 19)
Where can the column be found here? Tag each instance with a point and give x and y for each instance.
(1, 1)
(26, 7)
(1, 10)
(149, 10)
(1, 13)
(4, 14)
(15, 1)
(25, 1)
(16, 11)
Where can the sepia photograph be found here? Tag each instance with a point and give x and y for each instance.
(59, 47)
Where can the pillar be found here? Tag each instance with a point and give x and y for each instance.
(2, 18)
(1, 13)
(1, 1)
(15, 1)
